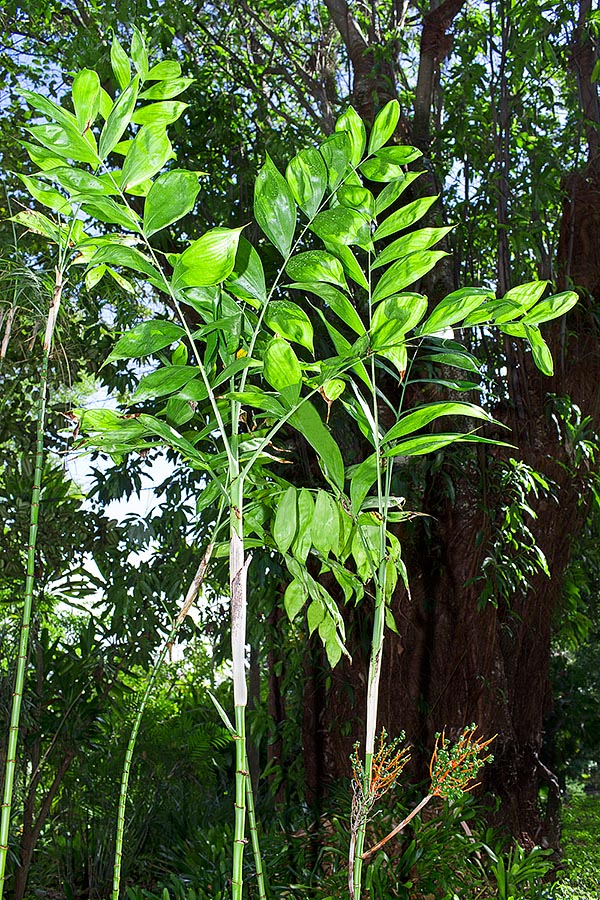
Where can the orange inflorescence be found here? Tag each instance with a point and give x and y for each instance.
(388, 763)
(453, 767)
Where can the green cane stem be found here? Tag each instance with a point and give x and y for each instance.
(15, 716)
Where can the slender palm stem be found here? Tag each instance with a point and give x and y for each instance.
(260, 877)
(190, 596)
(15, 717)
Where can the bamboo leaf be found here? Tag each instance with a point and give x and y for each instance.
(352, 124)
(414, 242)
(120, 255)
(78, 181)
(147, 155)
(145, 339)
(162, 113)
(294, 598)
(307, 421)
(418, 418)
(405, 272)
(551, 308)
(38, 223)
(316, 265)
(336, 153)
(66, 142)
(208, 260)
(362, 480)
(526, 295)
(286, 520)
(404, 217)
(171, 197)
(282, 370)
(86, 97)
(247, 280)
(274, 207)
(325, 523)
(454, 308)
(164, 381)
(349, 262)
(337, 301)
(139, 54)
(392, 191)
(303, 540)
(306, 175)
(384, 125)
(396, 316)
(166, 70)
(120, 64)
(289, 321)
(107, 210)
(167, 89)
(431, 443)
(540, 350)
(345, 226)
(119, 119)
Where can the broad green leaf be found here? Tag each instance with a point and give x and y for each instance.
(396, 316)
(139, 53)
(118, 119)
(422, 416)
(45, 195)
(551, 308)
(331, 641)
(335, 300)
(247, 280)
(146, 338)
(404, 217)
(274, 207)
(349, 262)
(38, 223)
(289, 321)
(315, 614)
(308, 422)
(454, 309)
(526, 294)
(366, 550)
(94, 276)
(384, 125)
(431, 443)
(378, 170)
(344, 226)
(123, 283)
(147, 155)
(120, 64)
(362, 480)
(398, 156)
(208, 260)
(405, 272)
(166, 70)
(392, 191)
(258, 399)
(44, 159)
(286, 520)
(106, 104)
(540, 350)
(325, 524)
(397, 355)
(171, 197)
(458, 360)
(162, 113)
(164, 381)
(332, 389)
(282, 370)
(306, 175)
(294, 599)
(303, 541)
(100, 421)
(120, 255)
(50, 109)
(166, 90)
(315, 265)
(358, 198)
(107, 210)
(336, 153)
(86, 97)
(172, 438)
(238, 365)
(414, 242)
(351, 123)
(65, 142)
(78, 181)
